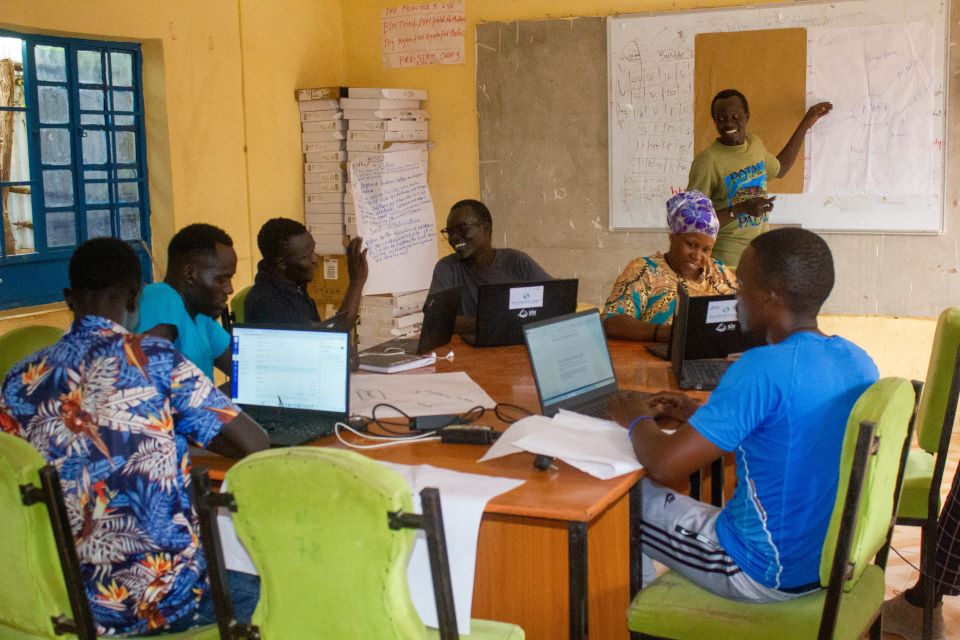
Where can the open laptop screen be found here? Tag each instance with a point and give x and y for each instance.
(569, 356)
(290, 368)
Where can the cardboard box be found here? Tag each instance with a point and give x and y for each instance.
(320, 93)
(319, 105)
(328, 244)
(322, 187)
(323, 218)
(323, 125)
(324, 208)
(322, 198)
(391, 93)
(321, 136)
(330, 280)
(320, 116)
(378, 103)
(414, 135)
(332, 229)
(387, 125)
(337, 155)
(385, 114)
(325, 145)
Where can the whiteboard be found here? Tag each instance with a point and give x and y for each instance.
(650, 83)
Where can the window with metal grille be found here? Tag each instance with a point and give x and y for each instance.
(72, 158)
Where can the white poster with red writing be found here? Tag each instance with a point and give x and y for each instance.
(419, 35)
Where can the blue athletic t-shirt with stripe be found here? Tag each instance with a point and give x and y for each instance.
(783, 409)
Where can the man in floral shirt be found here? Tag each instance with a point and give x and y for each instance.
(116, 412)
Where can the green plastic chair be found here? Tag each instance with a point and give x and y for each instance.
(35, 603)
(329, 532)
(854, 550)
(937, 410)
(235, 312)
(17, 344)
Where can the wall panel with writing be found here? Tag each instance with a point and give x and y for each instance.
(875, 164)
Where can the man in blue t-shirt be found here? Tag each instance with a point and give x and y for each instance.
(783, 409)
(184, 308)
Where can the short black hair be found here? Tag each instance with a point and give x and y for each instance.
(274, 235)
(478, 208)
(196, 240)
(796, 263)
(102, 263)
(729, 93)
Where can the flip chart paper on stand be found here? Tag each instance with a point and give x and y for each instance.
(396, 220)
(883, 107)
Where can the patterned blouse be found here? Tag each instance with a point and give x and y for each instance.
(647, 288)
(115, 411)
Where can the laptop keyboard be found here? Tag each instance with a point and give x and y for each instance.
(286, 428)
(703, 374)
(596, 408)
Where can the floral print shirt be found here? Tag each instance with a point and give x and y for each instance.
(115, 412)
(647, 288)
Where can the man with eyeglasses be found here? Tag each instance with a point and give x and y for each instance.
(475, 261)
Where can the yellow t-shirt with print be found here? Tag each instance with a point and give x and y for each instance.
(729, 175)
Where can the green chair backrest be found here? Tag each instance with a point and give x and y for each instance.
(936, 389)
(236, 305)
(31, 583)
(888, 403)
(17, 344)
(314, 521)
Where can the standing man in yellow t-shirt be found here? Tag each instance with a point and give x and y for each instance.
(733, 172)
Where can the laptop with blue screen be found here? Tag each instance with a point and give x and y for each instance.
(295, 382)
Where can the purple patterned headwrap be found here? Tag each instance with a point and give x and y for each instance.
(692, 212)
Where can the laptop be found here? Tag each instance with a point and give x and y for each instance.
(295, 382)
(503, 309)
(439, 317)
(705, 332)
(571, 363)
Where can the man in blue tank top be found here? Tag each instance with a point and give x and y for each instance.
(782, 408)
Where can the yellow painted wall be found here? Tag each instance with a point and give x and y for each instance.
(454, 165)
(222, 125)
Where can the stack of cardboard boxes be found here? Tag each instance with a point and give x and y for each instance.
(388, 316)
(323, 140)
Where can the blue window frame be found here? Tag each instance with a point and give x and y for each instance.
(73, 165)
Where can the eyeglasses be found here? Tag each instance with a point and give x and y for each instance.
(460, 229)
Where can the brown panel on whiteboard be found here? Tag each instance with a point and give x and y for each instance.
(769, 67)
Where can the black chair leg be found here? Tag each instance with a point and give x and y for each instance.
(928, 551)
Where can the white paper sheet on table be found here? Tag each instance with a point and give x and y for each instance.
(417, 394)
(463, 497)
(600, 448)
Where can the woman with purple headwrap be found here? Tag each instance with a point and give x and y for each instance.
(644, 295)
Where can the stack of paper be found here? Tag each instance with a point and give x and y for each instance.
(382, 121)
(600, 448)
(387, 316)
(323, 141)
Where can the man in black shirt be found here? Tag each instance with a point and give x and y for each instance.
(279, 294)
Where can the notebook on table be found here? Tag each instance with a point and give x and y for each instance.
(705, 333)
(503, 309)
(439, 317)
(295, 382)
(571, 363)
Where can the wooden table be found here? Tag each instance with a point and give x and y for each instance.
(535, 540)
